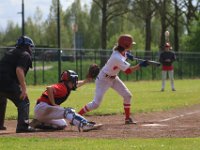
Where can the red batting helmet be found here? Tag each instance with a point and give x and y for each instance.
(125, 41)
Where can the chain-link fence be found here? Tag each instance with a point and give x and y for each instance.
(47, 63)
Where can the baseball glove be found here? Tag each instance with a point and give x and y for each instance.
(93, 71)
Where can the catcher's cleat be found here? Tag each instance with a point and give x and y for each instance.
(3, 128)
(91, 126)
(35, 123)
(130, 121)
(44, 126)
(29, 129)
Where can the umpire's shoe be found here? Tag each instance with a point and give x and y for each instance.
(130, 121)
(25, 130)
(2, 128)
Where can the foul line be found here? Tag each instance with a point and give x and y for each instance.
(175, 117)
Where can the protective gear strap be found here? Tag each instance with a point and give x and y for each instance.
(76, 119)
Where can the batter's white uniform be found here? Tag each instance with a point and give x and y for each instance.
(108, 77)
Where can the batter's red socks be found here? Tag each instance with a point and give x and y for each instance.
(83, 110)
(127, 110)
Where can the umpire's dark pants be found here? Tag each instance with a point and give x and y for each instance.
(3, 102)
(22, 106)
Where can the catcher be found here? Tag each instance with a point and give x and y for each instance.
(50, 115)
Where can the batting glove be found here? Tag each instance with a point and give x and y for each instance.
(143, 63)
(129, 56)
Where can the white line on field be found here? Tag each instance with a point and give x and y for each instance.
(175, 117)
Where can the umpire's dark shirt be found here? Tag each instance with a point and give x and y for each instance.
(9, 62)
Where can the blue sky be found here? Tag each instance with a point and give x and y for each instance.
(9, 9)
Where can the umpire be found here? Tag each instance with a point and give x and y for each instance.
(14, 66)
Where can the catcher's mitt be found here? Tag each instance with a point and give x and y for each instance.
(93, 71)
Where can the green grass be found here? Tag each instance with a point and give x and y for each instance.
(146, 98)
(99, 144)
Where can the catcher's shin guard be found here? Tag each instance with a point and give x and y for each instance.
(74, 118)
(3, 103)
(79, 121)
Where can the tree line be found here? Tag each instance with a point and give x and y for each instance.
(98, 26)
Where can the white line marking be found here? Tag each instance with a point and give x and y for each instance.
(175, 117)
(154, 125)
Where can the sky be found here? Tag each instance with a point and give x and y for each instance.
(10, 9)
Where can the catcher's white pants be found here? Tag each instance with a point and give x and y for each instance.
(171, 77)
(54, 115)
(103, 83)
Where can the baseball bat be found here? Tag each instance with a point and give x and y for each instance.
(150, 62)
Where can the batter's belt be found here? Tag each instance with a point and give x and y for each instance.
(110, 77)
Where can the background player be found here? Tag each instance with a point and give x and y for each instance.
(167, 57)
(48, 112)
(14, 66)
(108, 77)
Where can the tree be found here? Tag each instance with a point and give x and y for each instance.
(145, 10)
(51, 32)
(109, 10)
(191, 8)
(94, 27)
(191, 43)
(163, 10)
(77, 21)
(12, 33)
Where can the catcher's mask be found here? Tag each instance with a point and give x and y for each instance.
(125, 41)
(69, 76)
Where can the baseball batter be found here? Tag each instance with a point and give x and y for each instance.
(167, 57)
(48, 112)
(108, 77)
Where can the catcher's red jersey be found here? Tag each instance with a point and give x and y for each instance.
(61, 92)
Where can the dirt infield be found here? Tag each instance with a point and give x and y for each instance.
(184, 122)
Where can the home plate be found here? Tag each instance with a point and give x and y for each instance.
(154, 125)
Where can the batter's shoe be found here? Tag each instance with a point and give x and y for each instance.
(173, 90)
(91, 126)
(130, 121)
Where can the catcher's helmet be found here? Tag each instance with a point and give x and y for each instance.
(125, 41)
(24, 41)
(70, 75)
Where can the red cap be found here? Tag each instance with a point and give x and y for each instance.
(167, 45)
(125, 41)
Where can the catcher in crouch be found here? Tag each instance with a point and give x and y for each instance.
(49, 115)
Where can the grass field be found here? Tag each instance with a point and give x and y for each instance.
(146, 98)
(99, 144)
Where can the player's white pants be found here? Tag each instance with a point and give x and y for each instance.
(103, 83)
(171, 77)
(54, 115)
